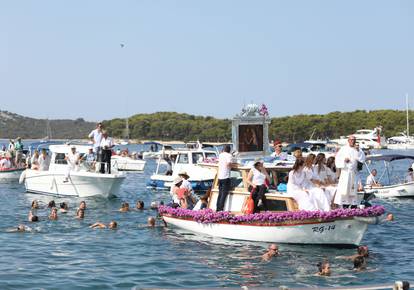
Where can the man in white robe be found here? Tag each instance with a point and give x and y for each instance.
(347, 160)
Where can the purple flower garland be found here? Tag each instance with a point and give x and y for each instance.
(209, 216)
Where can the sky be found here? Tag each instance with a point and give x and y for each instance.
(64, 59)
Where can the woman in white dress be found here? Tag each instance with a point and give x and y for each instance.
(322, 175)
(297, 187)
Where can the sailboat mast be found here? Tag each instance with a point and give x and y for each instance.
(408, 123)
(127, 128)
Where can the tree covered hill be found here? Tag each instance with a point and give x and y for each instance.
(175, 126)
(13, 125)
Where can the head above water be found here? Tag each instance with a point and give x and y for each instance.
(82, 204)
(113, 225)
(51, 204)
(324, 268)
(140, 204)
(151, 221)
(363, 251)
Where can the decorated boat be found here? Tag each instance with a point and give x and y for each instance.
(282, 222)
(82, 182)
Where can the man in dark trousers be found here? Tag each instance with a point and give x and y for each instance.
(106, 145)
(225, 164)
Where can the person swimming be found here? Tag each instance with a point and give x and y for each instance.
(324, 269)
(151, 222)
(80, 214)
(112, 225)
(64, 207)
(82, 205)
(124, 207)
(360, 263)
(53, 214)
(139, 205)
(272, 251)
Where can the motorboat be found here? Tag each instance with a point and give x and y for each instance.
(400, 142)
(313, 147)
(82, 182)
(367, 139)
(403, 140)
(201, 178)
(10, 174)
(127, 163)
(389, 188)
(281, 223)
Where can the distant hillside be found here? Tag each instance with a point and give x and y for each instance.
(175, 126)
(13, 125)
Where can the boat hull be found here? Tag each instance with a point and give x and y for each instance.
(398, 190)
(79, 184)
(339, 232)
(10, 175)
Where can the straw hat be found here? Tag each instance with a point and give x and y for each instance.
(177, 180)
(184, 174)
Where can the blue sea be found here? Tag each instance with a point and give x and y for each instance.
(67, 254)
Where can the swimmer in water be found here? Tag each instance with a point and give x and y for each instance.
(32, 218)
(272, 251)
(51, 204)
(19, 229)
(139, 205)
(82, 205)
(360, 263)
(64, 207)
(324, 269)
(80, 214)
(362, 251)
(124, 207)
(53, 214)
(35, 204)
(112, 225)
(151, 222)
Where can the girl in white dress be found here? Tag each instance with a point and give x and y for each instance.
(297, 187)
(321, 174)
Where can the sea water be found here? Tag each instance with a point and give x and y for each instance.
(66, 253)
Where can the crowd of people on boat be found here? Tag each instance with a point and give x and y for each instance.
(12, 156)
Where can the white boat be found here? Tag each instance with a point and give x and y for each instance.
(81, 183)
(403, 141)
(201, 178)
(126, 163)
(367, 139)
(10, 174)
(282, 223)
(390, 190)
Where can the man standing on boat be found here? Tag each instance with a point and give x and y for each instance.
(224, 168)
(347, 160)
(106, 144)
(96, 138)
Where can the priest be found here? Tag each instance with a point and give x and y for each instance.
(347, 160)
